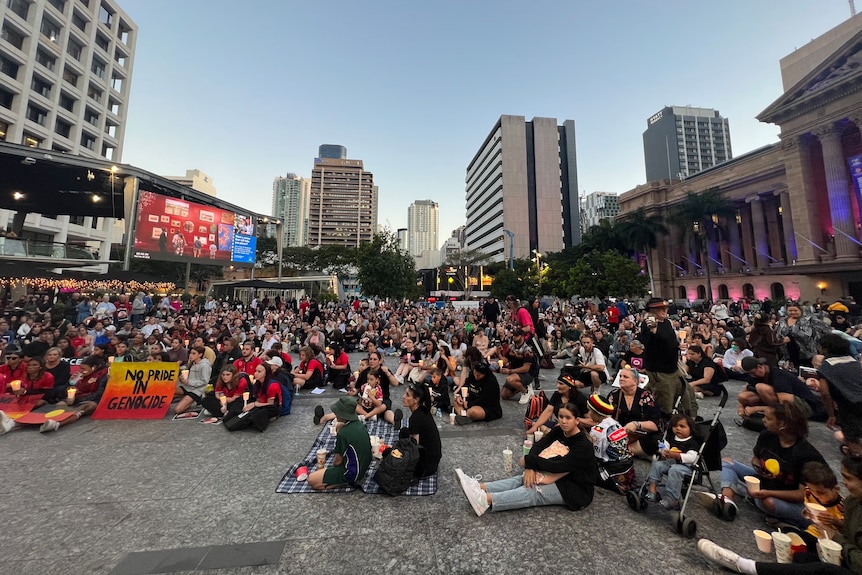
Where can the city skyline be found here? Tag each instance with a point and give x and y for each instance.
(258, 107)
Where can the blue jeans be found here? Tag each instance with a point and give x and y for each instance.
(732, 476)
(676, 474)
(511, 494)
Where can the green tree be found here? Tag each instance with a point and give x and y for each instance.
(697, 217)
(609, 273)
(384, 269)
(468, 264)
(335, 259)
(555, 276)
(640, 232)
(266, 252)
(507, 282)
(603, 237)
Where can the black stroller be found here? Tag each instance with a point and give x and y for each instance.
(708, 459)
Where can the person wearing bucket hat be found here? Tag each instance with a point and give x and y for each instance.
(352, 449)
(610, 446)
(661, 359)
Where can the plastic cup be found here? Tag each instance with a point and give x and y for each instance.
(528, 445)
(797, 545)
(539, 435)
(452, 418)
(464, 391)
(507, 460)
(245, 396)
(752, 482)
(302, 473)
(782, 547)
(814, 511)
(763, 540)
(531, 437)
(321, 458)
(830, 551)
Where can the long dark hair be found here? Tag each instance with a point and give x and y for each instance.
(260, 386)
(421, 393)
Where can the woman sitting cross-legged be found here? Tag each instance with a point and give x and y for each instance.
(559, 470)
(230, 386)
(92, 378)
(264, 406)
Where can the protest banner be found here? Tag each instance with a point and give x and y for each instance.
(15, 406)
(138, 391)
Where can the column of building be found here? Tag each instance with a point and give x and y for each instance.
(787, 224)
(840, 208)
(758, 224)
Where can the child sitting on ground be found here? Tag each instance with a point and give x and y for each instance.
(674, 462)
(821, 487)
(439, 392)
(370, 398)
(610, 446)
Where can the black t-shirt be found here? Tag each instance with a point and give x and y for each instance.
(661, 351)
(485, 393)
(696, 370)
(782, 381)
(422, 424)
(790, 461)
(636, 361)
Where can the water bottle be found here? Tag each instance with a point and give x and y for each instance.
(439, 413)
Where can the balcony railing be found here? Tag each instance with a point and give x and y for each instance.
(24, 248)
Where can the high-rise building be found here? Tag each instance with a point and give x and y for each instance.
(403, 243)
(596, 207)
(332, 152)
(681, 141)
(523, 180)
(196, 180)
(422, 218)
(290, 199)
(65, 77)
(343, 204)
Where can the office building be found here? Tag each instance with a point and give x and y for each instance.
(196, 180)
(793, 232)
(422, 227)
(290, 199)
(332, 152)
(65, 76)
(523, 181)
(596, 207)
(343, 203)
(681, 141)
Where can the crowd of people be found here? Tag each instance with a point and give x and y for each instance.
(244, 363)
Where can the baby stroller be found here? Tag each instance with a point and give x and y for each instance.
(708, 459)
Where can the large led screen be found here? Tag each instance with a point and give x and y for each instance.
(177, 230)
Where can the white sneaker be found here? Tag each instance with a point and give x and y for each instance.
(698, 395)
(525, 397)
(724, 557)
(49, 425)
(475, 494)
(6, 423)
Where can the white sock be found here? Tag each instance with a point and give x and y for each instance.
(746, 566)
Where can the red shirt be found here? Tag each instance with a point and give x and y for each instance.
(236, 391)
(41, 384)
(247, 366)
(311, 365)
(9, 374)
(272, 389)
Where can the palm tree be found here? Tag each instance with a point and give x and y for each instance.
(698, 214)
(640, 232)
(603, 237)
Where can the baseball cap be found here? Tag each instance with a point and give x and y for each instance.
(749, 363)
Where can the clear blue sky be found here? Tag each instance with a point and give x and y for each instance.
(247, 91)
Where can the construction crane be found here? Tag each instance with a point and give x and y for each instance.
(852, 7)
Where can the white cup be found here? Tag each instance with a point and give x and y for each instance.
(752, 482)
(507, 460)
(782, 547)
(829, 551)
(539, 435)
(763, 540)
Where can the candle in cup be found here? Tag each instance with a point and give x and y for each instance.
(356, 374)
(223, 400)
(111, 359)
(16, 385)
(185, 375)
(70, 394)
(245, 396)
(501, 362)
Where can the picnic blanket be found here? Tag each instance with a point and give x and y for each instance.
(326, 440)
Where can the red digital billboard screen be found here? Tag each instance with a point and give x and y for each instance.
(174, 229)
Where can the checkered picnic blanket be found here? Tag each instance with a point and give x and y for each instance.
(326, 440)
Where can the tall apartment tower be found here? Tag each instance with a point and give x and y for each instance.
(290, 199)
(596, 207)
(332, 152)
(65, 75)
(523, 180)
(680, 141)
(343, 203)
(422, 217)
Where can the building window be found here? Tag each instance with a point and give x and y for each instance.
(12, 36)
(63, 128)
(103, 42)
(114, 107)
(120, 58)
(40, 86)
(19, 7)
(70, 77)
(79, 21)
(50, 30)
(6, 98)
(98, 68)
(31, 141)
(58, 4)
(117, 83)
(91, 117)
(9, 67)
(111, 129)
(106, 17)
(75, 50)
(4, 128)
(108, 151)
(124, 33)
(88, 141)
(94, 93)
(67, 102)
(37, 114)
(45, 59)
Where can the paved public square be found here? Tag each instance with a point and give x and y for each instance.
(137, 497)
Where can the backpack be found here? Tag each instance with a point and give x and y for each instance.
(395, 473)
(285, 380)
(538, 403)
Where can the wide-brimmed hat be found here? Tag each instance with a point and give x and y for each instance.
(655, 302)
(345, 408)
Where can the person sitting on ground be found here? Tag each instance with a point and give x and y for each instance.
(337, 366)
(637, 411)
(559, 470)
(479, 397)
(610, 447)
(230, 385)
(732, 361)
(821, 487)
(849, 538)
(840, 379)
(634, 356)
(370, 399)
(674, 462)
(422, 429)
(518, 365)
(566, 392)
(352, 450)
(763, 342)
(92, 379)
(780, 453)
(438, 391)
(264, 406)
(773, 385)
(14, 368)
(61, 370)
(592, 364)
(36, 381)
(706, 377)
(192, 390)
(309, 373)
